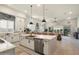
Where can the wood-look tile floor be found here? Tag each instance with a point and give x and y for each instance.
(21, 50)
(68, 46)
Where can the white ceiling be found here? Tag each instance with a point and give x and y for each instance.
(59, 11)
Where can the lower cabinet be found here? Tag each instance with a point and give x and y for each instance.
(36, 45)
(12, 38)
(32, 44)
(46, 47)
(29, 43)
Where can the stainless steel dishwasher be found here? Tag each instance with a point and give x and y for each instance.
(39, 46)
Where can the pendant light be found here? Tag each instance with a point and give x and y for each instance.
(31, 23)
(31, 14)
(43, 14)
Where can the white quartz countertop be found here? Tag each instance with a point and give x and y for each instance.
(48, 37)
(5, 46)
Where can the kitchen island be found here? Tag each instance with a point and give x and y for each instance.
(6, 48)
(42, 44)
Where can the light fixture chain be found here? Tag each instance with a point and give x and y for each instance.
(31, 10)
(43, 11)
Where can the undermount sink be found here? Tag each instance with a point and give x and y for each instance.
(1, 41)
(31, 36)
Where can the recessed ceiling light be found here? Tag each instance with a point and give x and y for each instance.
(25, 11)
(70, 12)
(69, 18)
(34, 16)
(38, 5)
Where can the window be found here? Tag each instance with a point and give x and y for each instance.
(7, 22)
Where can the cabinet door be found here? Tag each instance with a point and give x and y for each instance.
(12, 38)
(27, 44)
(32, 44)
(24, 42)
(46, 47)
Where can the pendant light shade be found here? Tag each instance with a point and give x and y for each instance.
(43, 14)
(43, 20)
(31, 23)
(31, 14)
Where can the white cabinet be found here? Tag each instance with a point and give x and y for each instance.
(32, 44)
(29, 43)
(12, 37)
(48, 48)
(45, 47)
